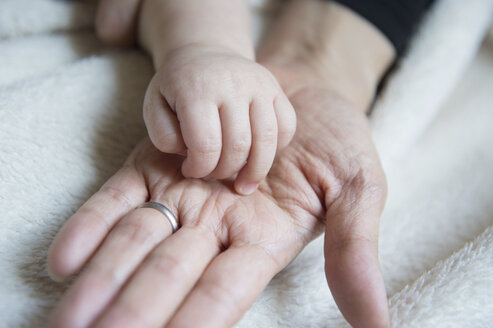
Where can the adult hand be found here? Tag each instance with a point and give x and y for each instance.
(207, 274)
(329, 60)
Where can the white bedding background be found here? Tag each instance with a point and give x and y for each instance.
(70, 112)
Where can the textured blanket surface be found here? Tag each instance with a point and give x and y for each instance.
(70, 112)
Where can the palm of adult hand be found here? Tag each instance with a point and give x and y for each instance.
(222, 234)
(139, 269)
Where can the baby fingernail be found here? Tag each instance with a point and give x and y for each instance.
(248, 189)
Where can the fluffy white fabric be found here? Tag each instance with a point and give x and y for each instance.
(70, 112)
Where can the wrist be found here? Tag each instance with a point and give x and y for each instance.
(194, 49)
(339, 50)
(167, 25)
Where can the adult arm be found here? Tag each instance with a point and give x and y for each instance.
(395, 19)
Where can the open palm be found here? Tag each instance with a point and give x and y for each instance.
(207, 274)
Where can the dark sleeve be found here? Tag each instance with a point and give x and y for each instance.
(396, 19)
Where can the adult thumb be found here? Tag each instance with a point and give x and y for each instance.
(351, 252)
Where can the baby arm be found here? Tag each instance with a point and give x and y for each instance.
(209, 99)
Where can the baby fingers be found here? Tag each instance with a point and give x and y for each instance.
(236, 139)
(264, 129)
(161, 122)
(201, 130)
(286, 120)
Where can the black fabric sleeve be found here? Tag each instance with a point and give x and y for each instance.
(396, 19)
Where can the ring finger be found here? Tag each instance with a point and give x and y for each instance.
(120, 254)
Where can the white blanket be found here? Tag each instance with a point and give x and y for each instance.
(70, 112)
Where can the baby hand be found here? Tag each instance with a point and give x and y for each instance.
(226, 113)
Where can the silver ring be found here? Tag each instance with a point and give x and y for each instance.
(164, 210)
